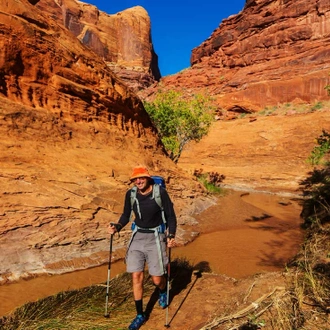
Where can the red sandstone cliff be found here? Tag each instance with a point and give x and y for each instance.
(71, 132)
(44, 66)
(122, 40)
(271, 52)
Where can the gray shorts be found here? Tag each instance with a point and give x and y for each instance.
(143, 249)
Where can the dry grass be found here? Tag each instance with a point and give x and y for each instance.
(85, 308)
(79, 309)
(307, 302)
(302, 303)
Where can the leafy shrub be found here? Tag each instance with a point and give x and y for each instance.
(180, 120)
(320, 151)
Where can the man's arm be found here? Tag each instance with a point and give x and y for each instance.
(170, 218)
(125, 216)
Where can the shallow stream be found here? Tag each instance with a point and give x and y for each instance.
(243, 234)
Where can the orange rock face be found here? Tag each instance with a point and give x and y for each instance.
(65, 120)
(44, 66)
(122, 40)
(72, 130)
(272, 52)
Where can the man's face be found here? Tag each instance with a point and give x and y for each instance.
(141, 183)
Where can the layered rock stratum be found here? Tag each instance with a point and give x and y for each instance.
(122, 40)
(271, 52)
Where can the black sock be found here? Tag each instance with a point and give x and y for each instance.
(139, 306)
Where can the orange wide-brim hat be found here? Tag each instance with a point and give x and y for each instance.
(140, 172)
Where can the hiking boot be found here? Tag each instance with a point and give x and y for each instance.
(162, 300)
(137, 322)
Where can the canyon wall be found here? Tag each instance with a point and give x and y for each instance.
(71, 132)
(273, 51)
(72, 129)
(122, 40)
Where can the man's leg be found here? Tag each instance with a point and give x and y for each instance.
(160, 282)
(157, 259)
(137, 279)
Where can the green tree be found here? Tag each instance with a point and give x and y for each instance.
(180, 120)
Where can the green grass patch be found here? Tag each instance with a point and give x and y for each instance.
(211, 181)
(210, 187)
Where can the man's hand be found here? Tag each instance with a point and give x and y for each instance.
(170, 241)
(114, 228)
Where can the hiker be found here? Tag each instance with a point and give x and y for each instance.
(149, 238)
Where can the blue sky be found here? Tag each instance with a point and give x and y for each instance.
(177, 26)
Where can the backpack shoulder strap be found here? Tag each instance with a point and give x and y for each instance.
(133, 195)
(134, 200)
(156, 195)
(158, 199)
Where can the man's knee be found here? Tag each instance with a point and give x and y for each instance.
(137, 277)
(159, 281)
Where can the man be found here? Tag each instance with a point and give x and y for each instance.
(148, 241)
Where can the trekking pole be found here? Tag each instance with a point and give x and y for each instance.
(167, 325)
(106, 313)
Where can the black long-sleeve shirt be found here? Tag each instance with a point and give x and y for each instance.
(151, 215)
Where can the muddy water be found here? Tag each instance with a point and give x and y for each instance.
(246, 234)
(242, 235)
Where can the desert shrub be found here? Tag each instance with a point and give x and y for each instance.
(180, 120)
(211, 181)
(320, 151)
